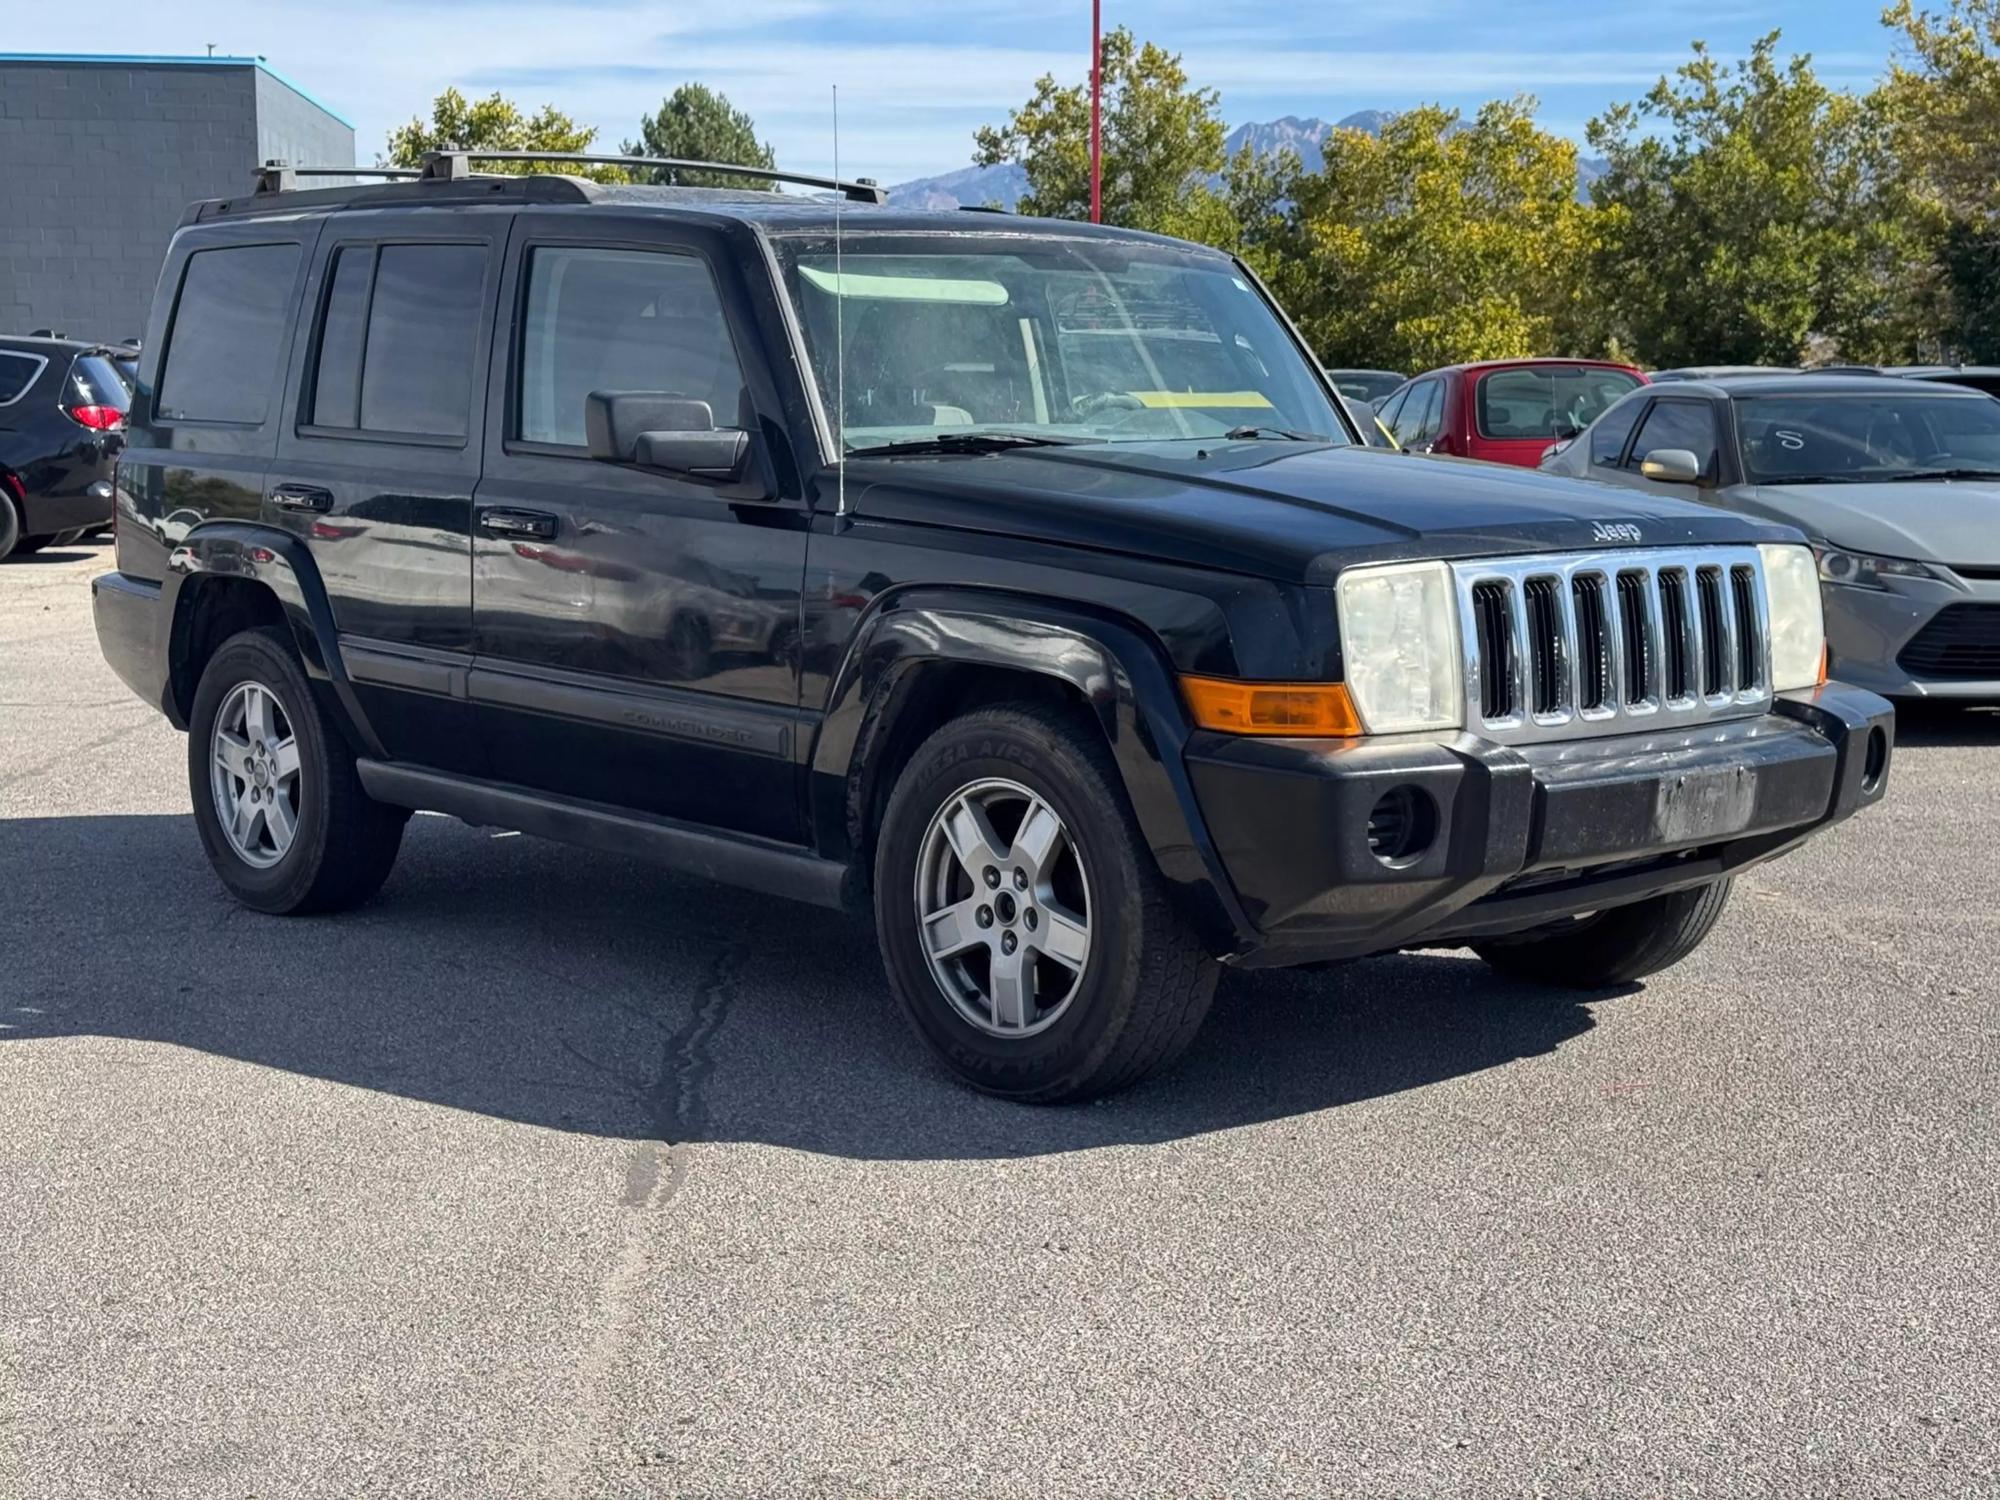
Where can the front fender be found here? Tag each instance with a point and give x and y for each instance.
(1113, 664)
(284, 565)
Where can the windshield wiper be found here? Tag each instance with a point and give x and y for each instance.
(1238, 434)
(1915, 474)
(964, 442)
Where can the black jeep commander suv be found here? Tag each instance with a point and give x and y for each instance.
(1020, 582)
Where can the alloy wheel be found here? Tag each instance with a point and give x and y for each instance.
(255, 775)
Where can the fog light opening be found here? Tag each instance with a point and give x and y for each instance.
(1403, 826)
(1876, 763)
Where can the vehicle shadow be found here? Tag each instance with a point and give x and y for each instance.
(1946, 725)
(48, 556)
(568, 990)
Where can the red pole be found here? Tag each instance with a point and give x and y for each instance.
(1097, 111)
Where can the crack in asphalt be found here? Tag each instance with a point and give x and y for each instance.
(675, 1100)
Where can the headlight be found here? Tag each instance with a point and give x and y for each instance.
(1858, 570)
(1798, 628)
(1399, 639)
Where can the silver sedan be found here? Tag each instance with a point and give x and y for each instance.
(1897, 485)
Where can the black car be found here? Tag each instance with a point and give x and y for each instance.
(1019, 582)
(62, 422)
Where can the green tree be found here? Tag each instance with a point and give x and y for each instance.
(494, 124)
(1163, 146)
(1747, 211)
(1438, 240)
(695, 123)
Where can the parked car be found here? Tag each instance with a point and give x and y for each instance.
(1122, 659)
(62, 421)
(1503, 411)
(1897, 485)
(1982, 378)
(1366, 386)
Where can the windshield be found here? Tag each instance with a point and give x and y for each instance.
(1052, 338)
(1804, 439)
(1547, 401)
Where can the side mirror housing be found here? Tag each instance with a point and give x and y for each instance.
(614, 421)
(675, 435)
(1671, 466)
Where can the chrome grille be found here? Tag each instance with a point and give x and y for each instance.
(1570, 645)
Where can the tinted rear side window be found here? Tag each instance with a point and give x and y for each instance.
(17, 373)
(399, 340)
(229, 323)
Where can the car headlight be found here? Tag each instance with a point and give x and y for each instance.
(1399, 639)
(1798, 627)
(1860, 571)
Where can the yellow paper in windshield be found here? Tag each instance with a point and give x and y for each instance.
(1201, 398)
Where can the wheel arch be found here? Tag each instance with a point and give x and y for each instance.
(230, 576)
(924, 657)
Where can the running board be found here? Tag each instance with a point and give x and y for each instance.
(758, 864)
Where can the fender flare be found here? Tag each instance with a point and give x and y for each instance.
(1114, 664)
(283, 564)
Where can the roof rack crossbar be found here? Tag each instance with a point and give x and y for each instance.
(452, 166)
(282, 177)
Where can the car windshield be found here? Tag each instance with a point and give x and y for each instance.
(944, 337)
(1838, 438)
(1547, 401)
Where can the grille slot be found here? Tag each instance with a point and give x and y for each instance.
(1545, 646)
(1635, 612)
(1567, 646)
(1491, 612)
(1593, 644)
(1717, 660)
(1749, 630)
(1674, 632)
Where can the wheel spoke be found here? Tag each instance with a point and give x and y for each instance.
(287, 758)
(1035, 845)
(954, 929)
(231, 751)
(1010, 986)
(1063, 938)
(243, 821)
(972, 838)
(279, 820)
(256, 713)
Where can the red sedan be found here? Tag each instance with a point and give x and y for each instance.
(1507, 411)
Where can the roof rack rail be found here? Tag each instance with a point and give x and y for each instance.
(454, 166)
(283, 177)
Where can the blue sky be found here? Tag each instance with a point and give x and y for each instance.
(915, 80)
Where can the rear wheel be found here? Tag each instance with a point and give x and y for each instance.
(1613, 947)
(1026, 932)
(10, 523)
(277, 801)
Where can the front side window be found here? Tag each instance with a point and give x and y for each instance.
(620, 320)
(1060, 338)
(399, 340)
(1545, 402)
(1832, 439)
(229, 325)
(1679, 424)
(1608, 432)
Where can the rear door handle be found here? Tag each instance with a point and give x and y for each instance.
(308, 497)
(498, 521)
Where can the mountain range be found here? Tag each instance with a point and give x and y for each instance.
(1005, 183)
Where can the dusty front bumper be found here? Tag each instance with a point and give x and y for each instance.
(1318, 840)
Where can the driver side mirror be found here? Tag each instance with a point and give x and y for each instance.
(1671, 466)
(670, 433)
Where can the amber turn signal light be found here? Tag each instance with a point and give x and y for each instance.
(1294, 708)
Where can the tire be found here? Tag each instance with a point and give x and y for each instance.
(1144, 982)
(343, 843)
(1614, 947)
(10, 524)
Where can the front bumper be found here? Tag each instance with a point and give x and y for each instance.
(1869, 630)
(1520, 836)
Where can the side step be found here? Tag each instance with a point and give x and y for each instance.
(758, 864)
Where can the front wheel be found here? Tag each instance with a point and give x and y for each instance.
(1613, 947)
(276, 797)
(1027, 934)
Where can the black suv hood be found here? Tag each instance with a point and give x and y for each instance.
(1278, 509)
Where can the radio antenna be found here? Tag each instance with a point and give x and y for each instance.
(839, 335)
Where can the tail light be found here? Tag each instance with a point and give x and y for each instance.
(97, 418)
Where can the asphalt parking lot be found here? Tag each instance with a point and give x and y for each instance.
(553, 1175)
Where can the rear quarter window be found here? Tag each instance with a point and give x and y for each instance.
(17, 373)
(229, 325)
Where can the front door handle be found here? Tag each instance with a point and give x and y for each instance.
(498, 521)
(307, 497)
